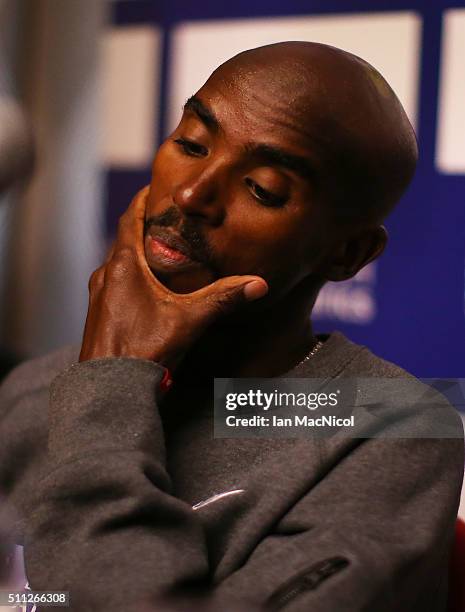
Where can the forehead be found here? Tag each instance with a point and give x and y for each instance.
(251, 106)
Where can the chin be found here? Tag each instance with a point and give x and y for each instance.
(184, 282)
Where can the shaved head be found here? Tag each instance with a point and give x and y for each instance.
(362, 145)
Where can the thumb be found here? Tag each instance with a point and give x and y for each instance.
(225, 294)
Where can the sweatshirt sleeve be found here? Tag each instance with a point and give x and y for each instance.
(24, 401)
(107, 528)
(373, 534)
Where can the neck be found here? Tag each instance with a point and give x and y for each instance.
(263, 343)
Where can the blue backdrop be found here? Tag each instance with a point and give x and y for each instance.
(419, 289)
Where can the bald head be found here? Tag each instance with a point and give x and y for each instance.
(363, 147)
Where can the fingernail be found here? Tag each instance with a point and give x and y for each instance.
(255, 290)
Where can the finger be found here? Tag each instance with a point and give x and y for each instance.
(96, 280)
(130, 232)
(110, 253)
(128, 248)
(226, 294)
(129, 243)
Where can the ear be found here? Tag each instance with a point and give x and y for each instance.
(356, 252)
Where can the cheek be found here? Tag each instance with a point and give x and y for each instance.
(163, 175)
(271, 243)
(161, 165)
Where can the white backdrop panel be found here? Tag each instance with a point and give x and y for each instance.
(450, 152)
(199, 47)
(130, 92)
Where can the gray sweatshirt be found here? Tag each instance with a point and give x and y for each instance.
(130, 509)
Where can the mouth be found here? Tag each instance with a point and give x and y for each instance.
(166, 249)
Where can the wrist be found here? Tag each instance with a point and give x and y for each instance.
(166, 381)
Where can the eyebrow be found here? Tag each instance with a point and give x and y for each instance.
(202, 111)
(275, 156)
(268, 154)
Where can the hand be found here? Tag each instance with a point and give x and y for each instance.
(131, 314)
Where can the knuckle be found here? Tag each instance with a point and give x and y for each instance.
(121, 262)
(124, 254)
(219, 304)
(117, 270)
(167, 301)
(96, 279)
(225, 301)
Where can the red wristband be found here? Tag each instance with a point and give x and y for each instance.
(166, 381)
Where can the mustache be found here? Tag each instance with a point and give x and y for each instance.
(188, 229)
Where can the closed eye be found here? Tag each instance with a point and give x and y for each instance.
(265, 197)
(189, 147)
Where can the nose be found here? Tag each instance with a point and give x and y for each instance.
(199, 195)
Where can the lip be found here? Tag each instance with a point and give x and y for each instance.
(168, 248)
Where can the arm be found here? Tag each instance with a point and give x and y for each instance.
(106, 479)
(24, 431)
(370, 535)
(373, 535)
(106, 525)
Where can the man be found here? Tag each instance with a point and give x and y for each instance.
(276, 180)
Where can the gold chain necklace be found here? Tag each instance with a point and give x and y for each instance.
(314, 350)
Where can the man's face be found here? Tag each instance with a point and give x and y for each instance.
(233, 191)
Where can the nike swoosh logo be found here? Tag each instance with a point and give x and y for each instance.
(215, 498)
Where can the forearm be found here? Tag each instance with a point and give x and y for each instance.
(24, 399)
(106, 527)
